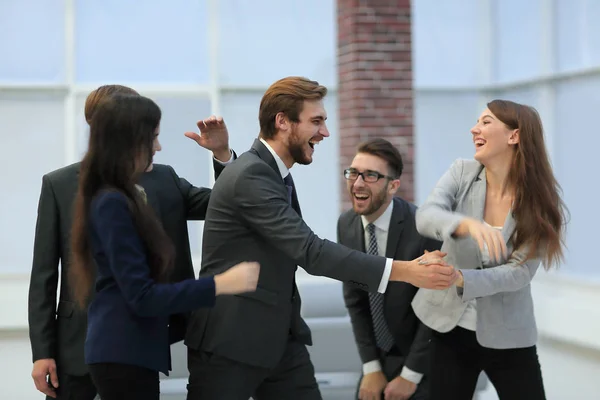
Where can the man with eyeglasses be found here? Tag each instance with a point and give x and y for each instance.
(392, 343)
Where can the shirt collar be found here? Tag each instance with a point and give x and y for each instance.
(383, 222)
(283, 170)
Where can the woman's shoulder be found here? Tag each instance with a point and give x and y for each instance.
(108, 199)
(465, 168)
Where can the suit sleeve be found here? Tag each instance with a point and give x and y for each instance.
(357, 303)
(126, 255)
(262, 204)
(44, 276)
(510, 277)
(196, 198)
(435, 218)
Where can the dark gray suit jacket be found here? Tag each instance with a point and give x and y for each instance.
(59, 332)
(249, 219)
(404, 243)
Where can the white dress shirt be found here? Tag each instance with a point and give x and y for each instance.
(382, 227)
(284, 171)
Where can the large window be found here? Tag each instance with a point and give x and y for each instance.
(194, 57)
(543, 53)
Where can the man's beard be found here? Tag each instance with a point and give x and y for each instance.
(296, 148)
(377, 200)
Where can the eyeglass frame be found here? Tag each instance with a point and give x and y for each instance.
(347, 171)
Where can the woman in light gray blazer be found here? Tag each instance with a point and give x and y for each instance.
(500, 216)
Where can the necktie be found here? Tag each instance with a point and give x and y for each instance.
(292, 195)
(383, 337)
(289, 184)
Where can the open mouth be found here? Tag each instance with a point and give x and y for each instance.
(361, 197)
(479, 143)
(312, 143)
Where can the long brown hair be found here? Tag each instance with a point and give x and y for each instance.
(539, 211)
(122, 132)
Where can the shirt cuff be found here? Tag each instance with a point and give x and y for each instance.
(386, 275)
(410, 375)
(225, 162)
(371, 366)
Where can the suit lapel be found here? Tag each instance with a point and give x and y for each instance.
(395, 229)
(264, 154)
(358, 234)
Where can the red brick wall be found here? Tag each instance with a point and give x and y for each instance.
(375, 81)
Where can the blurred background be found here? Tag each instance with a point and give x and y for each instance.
(416, 72)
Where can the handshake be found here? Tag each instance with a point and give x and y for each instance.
(429, 271)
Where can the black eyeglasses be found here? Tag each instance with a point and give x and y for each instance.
(368, 176)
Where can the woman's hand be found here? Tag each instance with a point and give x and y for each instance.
(485, 235)
(240, 278)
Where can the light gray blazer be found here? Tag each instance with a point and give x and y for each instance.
(505, 317)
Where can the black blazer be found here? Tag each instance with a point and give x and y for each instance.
(59, 332)
(404, 243)
(128, 317)
(249, 219)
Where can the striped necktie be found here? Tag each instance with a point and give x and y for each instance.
(383, 337)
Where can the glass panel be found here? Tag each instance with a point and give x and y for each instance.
(517, 46)
(442, 124)
(445, 34)
(317, 184)
(256, 48)
(32, 129)
(188, 159)
(161, 41)
(32, 42)
(577, 34)
(577, 143)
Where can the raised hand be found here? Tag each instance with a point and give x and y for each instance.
(213, 136)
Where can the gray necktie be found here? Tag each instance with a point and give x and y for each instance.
(383, 337)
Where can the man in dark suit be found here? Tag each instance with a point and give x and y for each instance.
(57, 334)
(392, 343)
(255, 344)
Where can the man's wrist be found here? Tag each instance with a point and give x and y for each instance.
(223, 155)
(371, 366)
(400, 271)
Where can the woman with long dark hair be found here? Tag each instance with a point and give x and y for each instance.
(500, 216)
(118, 242)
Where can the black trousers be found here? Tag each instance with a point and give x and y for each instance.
(213, 377)
(458, 359)
(391, 366)
(74, 387)
(125, 382)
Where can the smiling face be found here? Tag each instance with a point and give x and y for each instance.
(370, 197)
(492, 138)
(308, 132)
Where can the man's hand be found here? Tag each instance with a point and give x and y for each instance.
(372, 385)
(41, 369)
(429, 271)
(213, 136)
(399, 389)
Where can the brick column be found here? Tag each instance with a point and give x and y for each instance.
(375, 81)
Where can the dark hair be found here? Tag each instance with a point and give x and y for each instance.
(386, 151)
(122, 133)
(287, 95)
(538, 208)
(99, 94)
